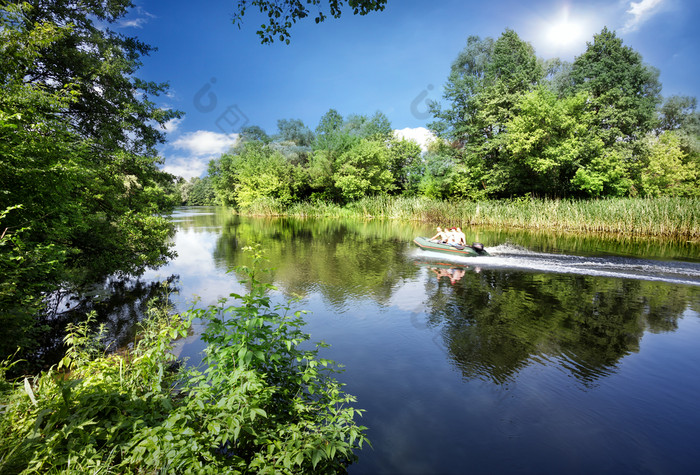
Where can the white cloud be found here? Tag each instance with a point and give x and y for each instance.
(142, 18)
(205, 142)
(171, 125)
(187, 167)
(420, 135)
(641, 12)
(133, 23)
(196, 150)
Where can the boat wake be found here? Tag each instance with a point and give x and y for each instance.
(508, 256)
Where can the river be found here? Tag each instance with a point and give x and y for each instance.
(556, 354)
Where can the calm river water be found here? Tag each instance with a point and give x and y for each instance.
(552, 355)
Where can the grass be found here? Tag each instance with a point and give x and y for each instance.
(664, 217)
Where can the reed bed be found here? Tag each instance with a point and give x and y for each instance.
(666, 216)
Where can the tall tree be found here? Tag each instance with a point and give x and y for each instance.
(484, 87)
(364, 170)
(678, 112)
(254, 133)
(459, 122)
(623, 91)
(667, 170)
(377, 127)
(548, 141)
(331, 134)
(512, 71)
(81, 194)
(294, 130)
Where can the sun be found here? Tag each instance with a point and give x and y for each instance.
(564, 32)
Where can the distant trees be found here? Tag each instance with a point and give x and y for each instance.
(588, 129)
(511, 125)
(196, 192)
(342, 161)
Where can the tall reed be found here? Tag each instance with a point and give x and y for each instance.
(665, 216)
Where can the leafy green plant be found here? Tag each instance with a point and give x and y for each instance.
(260, 403)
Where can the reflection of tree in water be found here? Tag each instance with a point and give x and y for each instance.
(494, 323)
(342, 259)
(119, 305)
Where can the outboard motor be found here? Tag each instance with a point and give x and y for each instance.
(478, 247)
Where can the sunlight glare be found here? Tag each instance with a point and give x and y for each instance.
(564, 33)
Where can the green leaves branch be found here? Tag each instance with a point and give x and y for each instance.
(282, 14)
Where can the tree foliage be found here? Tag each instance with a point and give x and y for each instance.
(81, 194)
(623, 91)
(282, 14)
(250, 172)
(511, 125)
(344, 160)
(526, 126)
(668, 170)
(364, 171)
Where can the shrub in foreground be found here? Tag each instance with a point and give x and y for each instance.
(258, 404)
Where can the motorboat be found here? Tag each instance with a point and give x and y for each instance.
(476, 249)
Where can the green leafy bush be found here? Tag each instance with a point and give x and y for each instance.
(258, 404)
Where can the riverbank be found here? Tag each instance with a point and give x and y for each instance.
(662, 217)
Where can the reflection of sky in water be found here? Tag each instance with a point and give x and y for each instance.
(426, 416)
(198, 274)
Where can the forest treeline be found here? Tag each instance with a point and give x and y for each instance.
(511, 124)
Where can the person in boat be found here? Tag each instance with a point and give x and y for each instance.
(461, 238)
(441, 235)
(452, 236)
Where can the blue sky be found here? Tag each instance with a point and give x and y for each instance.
(392, 61)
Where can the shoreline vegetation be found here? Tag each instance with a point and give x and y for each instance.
(668, 217)
(261, 401)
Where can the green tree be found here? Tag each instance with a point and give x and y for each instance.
(558, 76)
(377, 127)
(487, 80)
(329, 133)
(294, 130)
(624, 92)
(81, 194)
(294, 141)
(679, 114)
(404, 155)
(459, 122)
(202, 192)
(667, 169)
(252, 172)
(550, 141)
(364, 171)
(282, 14)
(623, 96)
(254, 133)
(512, 72)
